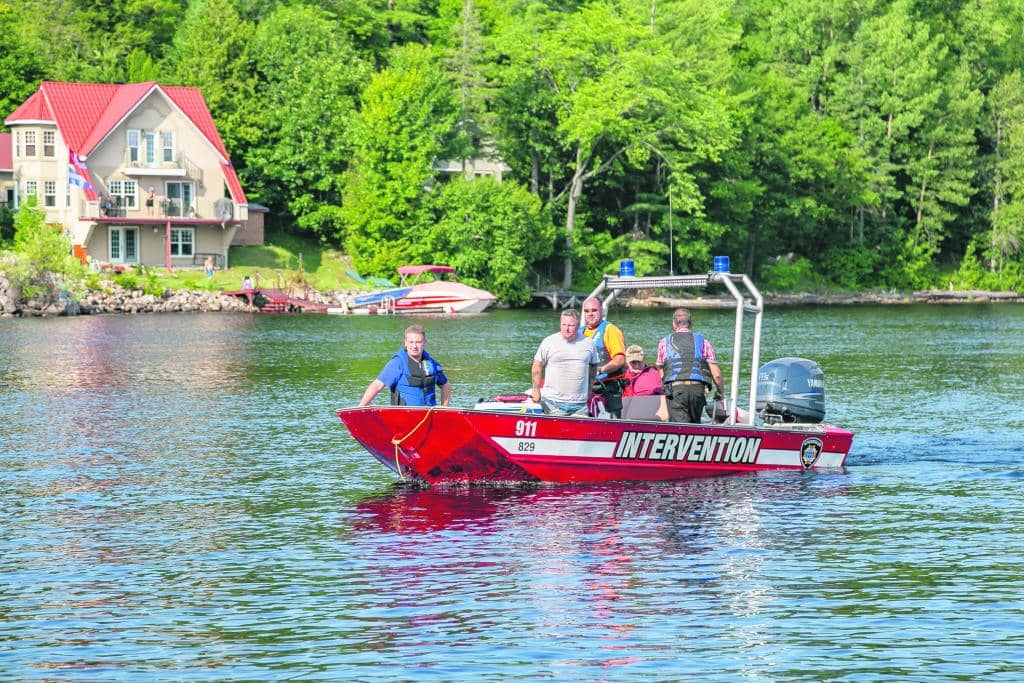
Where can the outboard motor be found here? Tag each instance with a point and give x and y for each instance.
(791, 390)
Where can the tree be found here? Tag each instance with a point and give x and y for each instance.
(406, 121)
(20, 67)
(90, 40)
(42, 254)
(465, 60)
(524, 106)
(1006, 102)
(211, 52)
(625, 82)
(912, 112)
(309, 77)
(491, 232)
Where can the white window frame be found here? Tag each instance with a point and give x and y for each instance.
(167, 146)
(17, 144)
(183, 242)
(31, 189)
(49, 144)
(31, 148)
(149, 137)
(127, 190)
(134, 136)
(50, 194)
(186, 210)
(120, 236)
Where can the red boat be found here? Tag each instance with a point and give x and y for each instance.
(451, 445)
(515, 442)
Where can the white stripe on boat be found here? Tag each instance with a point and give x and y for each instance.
(568, 447)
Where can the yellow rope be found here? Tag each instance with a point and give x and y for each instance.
(397, 442)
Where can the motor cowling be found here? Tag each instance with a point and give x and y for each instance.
(791, 390)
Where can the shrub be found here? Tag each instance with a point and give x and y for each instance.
(153, 286)
(849, 267)
(6, 224)
(491, 232)
(791, 274)
(126, 280)
(44, 257)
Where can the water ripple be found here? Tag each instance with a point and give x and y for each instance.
(181, 503)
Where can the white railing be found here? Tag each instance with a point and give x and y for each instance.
(180, 161)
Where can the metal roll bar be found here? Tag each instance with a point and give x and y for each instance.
(614, 284)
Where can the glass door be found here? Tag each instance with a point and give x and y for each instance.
(124, 245)
(131, 245)
(181, 199)
(150, 150)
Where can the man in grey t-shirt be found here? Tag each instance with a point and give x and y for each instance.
(569, 365)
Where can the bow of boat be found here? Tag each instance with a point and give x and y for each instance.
(436, 445)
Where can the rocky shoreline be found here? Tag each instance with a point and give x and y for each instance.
(115, 299)
(938, 296)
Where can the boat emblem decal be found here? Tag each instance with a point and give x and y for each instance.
(810, 450)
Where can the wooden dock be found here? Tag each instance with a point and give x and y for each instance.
(274, 300)
(559, 298)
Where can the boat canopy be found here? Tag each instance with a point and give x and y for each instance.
(611, 285)
(419, 270)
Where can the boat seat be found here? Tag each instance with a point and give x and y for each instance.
(644, 408)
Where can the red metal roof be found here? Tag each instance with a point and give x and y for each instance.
(190, 101)
(118, 103)
(32, 109)
(6, 153)
(86, 113)
(234, 187)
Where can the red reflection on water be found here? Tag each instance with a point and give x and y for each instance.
(408, 511)
(593, 546)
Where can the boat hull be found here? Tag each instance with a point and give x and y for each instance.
(444, 297)
(457, 446)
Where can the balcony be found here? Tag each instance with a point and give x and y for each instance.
(114, 207)
(174, 208)
(180, 167)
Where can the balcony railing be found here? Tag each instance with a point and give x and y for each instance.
(167, 208)
(175, 208)
(180, 166)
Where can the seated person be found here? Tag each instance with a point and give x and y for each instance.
(643, 379)
(246, 283)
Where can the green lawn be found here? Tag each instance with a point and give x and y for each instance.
(283, 260)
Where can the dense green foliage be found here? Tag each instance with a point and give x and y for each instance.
(40, 261)
(490, 232)
(868, 143)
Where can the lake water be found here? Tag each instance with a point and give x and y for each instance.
(179, 502)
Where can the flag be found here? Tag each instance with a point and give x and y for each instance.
(76, 171)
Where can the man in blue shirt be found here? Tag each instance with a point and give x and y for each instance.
(412, 375)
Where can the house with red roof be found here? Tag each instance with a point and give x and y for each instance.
(134, 173)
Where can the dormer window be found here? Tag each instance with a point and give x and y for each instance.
(150, 140)
(134, 138)
(167, 146)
